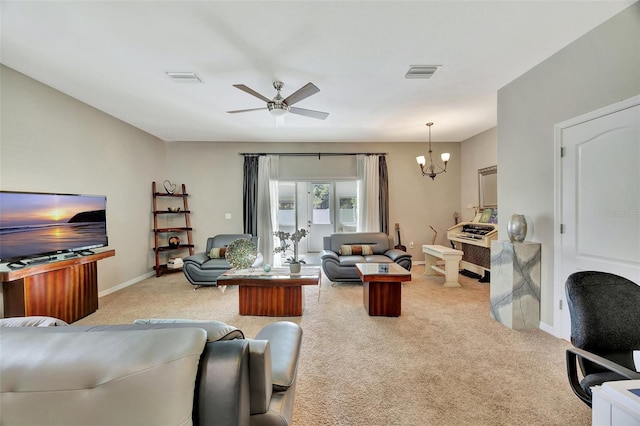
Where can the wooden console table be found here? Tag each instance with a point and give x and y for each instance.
(65, 289)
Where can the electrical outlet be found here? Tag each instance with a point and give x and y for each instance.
(411, 244)
(227, 215)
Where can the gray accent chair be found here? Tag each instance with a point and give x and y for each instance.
(339, 267)
(605, 330)
(201, 270)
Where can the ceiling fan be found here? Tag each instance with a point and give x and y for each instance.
(279, 106)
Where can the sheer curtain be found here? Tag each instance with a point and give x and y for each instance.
(267, 204)
(368, 193)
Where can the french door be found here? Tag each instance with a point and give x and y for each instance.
(321, 207)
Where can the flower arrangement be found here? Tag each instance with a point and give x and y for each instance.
(295, 238)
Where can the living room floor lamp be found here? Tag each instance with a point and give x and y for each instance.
(430, 170)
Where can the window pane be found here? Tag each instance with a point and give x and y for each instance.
(321, 205)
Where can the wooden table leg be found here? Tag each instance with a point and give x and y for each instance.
(382, 298)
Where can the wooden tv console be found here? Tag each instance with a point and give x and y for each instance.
(66, 289)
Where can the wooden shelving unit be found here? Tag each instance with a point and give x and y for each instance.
(161, 235)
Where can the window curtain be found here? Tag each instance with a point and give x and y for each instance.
(368, 193)
(250, 191)
(267, 205)
(383, 177)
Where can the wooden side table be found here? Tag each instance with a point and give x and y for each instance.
(382, 291)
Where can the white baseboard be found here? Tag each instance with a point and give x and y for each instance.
(549, 329)
(126, 284)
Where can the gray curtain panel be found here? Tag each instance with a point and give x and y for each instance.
(384, 194)
(250, 200)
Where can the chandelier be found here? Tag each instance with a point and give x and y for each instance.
(430, 170)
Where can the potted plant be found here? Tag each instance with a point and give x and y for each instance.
(286, 239)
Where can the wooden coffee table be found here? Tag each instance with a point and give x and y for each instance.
(382, 291)
(277, 293)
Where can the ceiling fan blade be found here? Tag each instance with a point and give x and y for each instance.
(246, 110)
(302, 93)
(309, 113)
(251, 92)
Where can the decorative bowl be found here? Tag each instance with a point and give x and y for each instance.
(174, 241)
(241, 253)
(174, 209)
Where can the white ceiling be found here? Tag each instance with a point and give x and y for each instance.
(113, 55)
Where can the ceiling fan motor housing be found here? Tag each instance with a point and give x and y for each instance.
(278, 108)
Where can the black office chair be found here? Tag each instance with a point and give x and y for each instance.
(605, 330)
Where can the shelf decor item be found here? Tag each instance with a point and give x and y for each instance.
(174, 241)
(241, 253)
(169, 187)
(295, 238)
(174, 209)
(517, 228)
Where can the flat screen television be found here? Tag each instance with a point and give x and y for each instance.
(34, 224)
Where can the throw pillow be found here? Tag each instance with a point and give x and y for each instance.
(356, 250)
(217, 253)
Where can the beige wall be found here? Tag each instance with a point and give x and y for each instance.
(213, 175)
(597, 70)
(50, 142)
(478, 152)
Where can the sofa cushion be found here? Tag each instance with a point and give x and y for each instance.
(355, 249)
(107, 378)
(33, 321)
(216, 330)
(220, 263)
(351, 260)
(377, 258)
(217, 252)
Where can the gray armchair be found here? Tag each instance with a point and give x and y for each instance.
(605, 330)
(202, 270)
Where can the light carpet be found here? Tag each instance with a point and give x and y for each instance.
(444, 361)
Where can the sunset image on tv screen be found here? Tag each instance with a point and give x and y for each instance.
(32, 223)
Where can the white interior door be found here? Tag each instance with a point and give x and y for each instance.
(600, 198)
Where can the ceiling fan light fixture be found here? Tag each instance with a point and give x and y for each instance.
(277, 109)
(422, 71)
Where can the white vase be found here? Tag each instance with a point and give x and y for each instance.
(517, 228)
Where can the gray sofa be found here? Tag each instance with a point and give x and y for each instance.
(155, 372)
(202, 270)
(338, 265)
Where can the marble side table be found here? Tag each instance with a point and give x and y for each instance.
(515, 284)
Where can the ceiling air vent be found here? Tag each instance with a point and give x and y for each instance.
(421, 71)
(184, 77)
